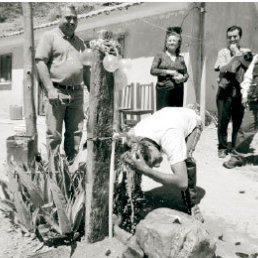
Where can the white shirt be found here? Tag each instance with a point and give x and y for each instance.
(248, 78)
(224, 57)
(169, 127)
(173, 58)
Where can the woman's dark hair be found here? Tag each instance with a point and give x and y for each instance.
(234, 27)
(175, 31)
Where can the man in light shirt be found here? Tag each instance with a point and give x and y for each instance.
(249, 126)
(61, 72)
(228, 97)
(174, 131)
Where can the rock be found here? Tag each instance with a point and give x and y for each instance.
(121, 235)
(157, 236)
(108, 252)
(133, 249)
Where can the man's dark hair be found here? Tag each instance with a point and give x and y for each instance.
(145, 151)
(234, 27)
(61, 8)
(136, 143)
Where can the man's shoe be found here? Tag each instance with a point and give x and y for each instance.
(234, 162)
(222, 153)
(196, 213)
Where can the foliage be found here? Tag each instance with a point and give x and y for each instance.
(52, 205)
(43, 12)
(13, 10)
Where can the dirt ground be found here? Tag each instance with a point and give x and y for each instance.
(228, 200)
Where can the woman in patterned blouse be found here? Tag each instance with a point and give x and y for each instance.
(169, 66)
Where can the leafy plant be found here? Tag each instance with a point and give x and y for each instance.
(52, 205)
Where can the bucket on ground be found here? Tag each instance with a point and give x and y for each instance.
(20, 150)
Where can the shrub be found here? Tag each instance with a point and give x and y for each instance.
(51, 205)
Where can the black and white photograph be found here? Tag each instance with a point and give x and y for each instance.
(129, 129)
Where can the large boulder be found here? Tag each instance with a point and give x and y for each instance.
(167, 233)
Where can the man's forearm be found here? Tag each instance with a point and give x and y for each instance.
(44, 75)
(231, 66)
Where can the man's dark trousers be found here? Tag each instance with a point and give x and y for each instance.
(247, 130)
(228, 107)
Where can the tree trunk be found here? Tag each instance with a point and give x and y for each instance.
(100, 124)
(29, 74)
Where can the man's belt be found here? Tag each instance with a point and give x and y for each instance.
(67, 87)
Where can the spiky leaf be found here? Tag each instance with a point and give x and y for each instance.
(60, 202)
(78, 206)
(23, 212)
(33, 189)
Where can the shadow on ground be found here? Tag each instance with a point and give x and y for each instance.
(169, 198)
(251, 160)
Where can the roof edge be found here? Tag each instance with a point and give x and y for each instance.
(105, 10)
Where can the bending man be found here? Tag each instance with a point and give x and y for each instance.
(174, 131)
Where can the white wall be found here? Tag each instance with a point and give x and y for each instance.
(13, 96)
(140, 73)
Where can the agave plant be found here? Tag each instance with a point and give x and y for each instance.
(49, 204)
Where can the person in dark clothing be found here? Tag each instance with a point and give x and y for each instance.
(229, 64)
(169, 66)
(249, 127)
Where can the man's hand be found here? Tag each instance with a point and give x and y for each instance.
(136, 161)
(235, 50)
(53, 97)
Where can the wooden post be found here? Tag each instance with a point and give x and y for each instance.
(203, 93)
(197, 45)
(100, 124)
(203, 64)
(29, 74)
(116, 129)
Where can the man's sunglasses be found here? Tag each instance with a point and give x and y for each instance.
(69, 18)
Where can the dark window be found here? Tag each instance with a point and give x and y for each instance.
(5, 68)
(121, 41)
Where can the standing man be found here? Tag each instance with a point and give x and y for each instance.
(229, 96)
(249, 125)
(174, 131)
(62, 73)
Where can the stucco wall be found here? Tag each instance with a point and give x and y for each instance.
(144, 29)
(13, 96)
(220, 16)
(145, 37)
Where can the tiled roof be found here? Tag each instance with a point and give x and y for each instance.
(106, 10)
